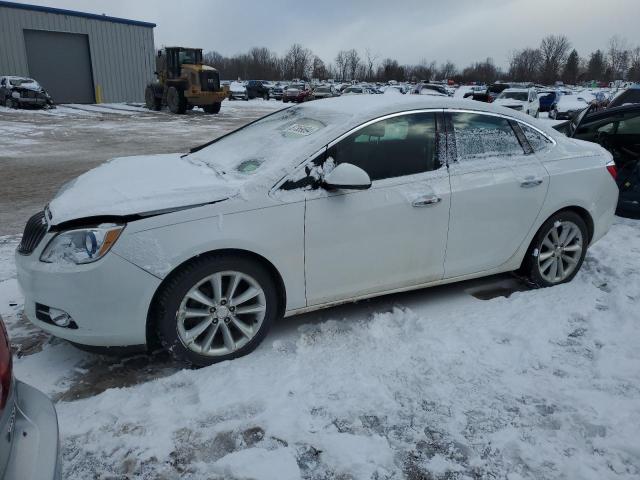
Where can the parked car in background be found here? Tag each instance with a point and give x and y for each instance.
(29, 443)
(629, 96)
(618, 130)
(548, 99)
(524, 100)
(257, 89)
(495, 89)
(426, 88)
(297, 92)
(277, 91)
(325, 91)
(238, 91)
(315, 214)
(570, 106)
(356, 90)
(23, 92)
(466, 91)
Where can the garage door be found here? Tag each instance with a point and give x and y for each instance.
(61, 62)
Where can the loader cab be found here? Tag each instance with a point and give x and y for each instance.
(171, 59)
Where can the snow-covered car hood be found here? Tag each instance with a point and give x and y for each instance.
(28, 84)
(133, 185)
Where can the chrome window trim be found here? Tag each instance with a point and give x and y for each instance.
(349, 132)
(383, 117)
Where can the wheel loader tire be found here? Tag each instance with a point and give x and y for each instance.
(213, 108)
(151, 101)
(176, 101)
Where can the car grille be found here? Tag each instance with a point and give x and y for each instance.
(34, 232)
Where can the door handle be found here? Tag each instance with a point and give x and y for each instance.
(531, 182)
(426, 201)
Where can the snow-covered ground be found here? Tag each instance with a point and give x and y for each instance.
(453, 382)
(430, 384)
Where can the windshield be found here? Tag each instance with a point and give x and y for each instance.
(514, 95)
(189, 57)
(19, 81)
(267, 144)
(297, 86)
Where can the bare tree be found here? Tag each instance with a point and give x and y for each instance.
(342, 64)
(370, 60)
(447, 70)
(297, 62)
(618, 56)
(554, 49)
(353, 62)
(318, 69)
(525, 65)
(634, 65)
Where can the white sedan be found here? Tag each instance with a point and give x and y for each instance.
(522, 99)
(309, 207)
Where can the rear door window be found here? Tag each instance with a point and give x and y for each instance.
(480, 136)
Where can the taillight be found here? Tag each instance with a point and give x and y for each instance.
(612, 169)
(6, 367)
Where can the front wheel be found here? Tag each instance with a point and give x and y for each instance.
(557, 251)
(216, 308)
(176, 101)
(151, 101)
(213, 108)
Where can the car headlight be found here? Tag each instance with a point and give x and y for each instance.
(15, 94)
(84, 245)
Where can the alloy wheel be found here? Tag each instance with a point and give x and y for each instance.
(560, 251)
(221, 313)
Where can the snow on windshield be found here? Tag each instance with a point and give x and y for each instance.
(272, 145)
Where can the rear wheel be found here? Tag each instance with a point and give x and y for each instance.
(176, 101)
(151, 101)
(215, 309)
(213, 108)
(558, 250)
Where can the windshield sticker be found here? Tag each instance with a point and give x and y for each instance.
(302, 128)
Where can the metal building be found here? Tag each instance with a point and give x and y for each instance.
(77, 57)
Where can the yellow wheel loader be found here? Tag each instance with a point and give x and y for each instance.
(184, 82)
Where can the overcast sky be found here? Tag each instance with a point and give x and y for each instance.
(409, 30)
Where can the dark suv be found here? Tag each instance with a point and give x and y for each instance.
(257, 89)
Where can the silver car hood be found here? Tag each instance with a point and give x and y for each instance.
(138, 185)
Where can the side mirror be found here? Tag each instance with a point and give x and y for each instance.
(347, 177)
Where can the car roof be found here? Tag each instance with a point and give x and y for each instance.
(366, 107)
(521, 90)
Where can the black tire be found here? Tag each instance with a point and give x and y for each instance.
(151, 101)
(213, 108)
(176, 101)
(168, 301)
(9, 103)
(531, 265)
